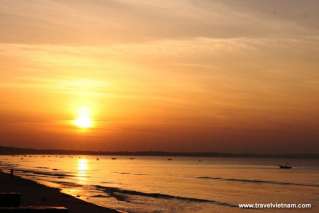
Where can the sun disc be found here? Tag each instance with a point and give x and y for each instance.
(83, 120)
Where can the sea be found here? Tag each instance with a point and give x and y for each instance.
(174, 184)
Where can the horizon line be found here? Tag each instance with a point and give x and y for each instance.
(4, 150)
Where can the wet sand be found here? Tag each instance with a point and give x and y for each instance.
(36, 194)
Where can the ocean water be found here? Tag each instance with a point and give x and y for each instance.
(179, 184)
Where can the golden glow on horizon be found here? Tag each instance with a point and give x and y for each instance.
(83, 120)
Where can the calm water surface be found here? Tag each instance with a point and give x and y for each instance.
(159, 184)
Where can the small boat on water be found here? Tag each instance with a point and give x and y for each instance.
(285, 166)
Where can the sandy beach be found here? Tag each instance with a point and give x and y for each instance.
(36, 194)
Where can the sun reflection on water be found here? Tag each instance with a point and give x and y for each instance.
(82, 169)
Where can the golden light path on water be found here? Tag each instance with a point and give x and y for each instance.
(82, 168)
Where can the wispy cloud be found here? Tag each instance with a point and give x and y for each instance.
(96, 22)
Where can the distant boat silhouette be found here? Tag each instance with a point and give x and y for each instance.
(114, 158)
(169, 159)
(285, 166)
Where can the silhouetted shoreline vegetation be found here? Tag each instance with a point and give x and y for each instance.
(24, 151)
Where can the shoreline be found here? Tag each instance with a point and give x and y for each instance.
(8, 150)
(35, 194)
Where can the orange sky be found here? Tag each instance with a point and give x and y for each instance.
(181, 75)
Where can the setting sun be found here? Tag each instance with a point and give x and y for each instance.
(83, 119)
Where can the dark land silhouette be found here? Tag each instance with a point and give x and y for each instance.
(4, 150)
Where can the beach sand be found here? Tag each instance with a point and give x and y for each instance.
(36, 194)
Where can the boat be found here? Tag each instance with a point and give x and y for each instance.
(285, 166)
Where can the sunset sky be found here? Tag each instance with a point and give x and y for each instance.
(181, 75)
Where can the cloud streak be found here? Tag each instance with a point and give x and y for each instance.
(96, 22)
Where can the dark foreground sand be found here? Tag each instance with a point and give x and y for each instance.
(36, 194)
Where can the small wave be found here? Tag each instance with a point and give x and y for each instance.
(127, 173)
(7, 165)
(68, 184)
(42, 167)
(44, 173)
(122, 173)
(258, 181)
(123, 195)
(107, 182)
(99, 196)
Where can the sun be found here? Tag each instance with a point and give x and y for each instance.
(83, 120)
